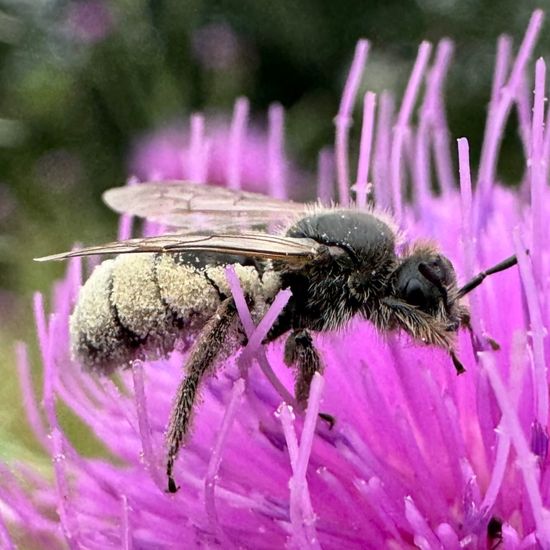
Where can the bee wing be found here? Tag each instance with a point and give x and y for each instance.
(192, 206)
(255, 245)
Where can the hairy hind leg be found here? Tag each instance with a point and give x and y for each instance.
(201, 358)
(300, 352)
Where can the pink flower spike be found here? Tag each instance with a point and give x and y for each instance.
(433, 131)
(448, 537)
(546, 146)
(502, 64)
(524, 110)
(301, 511)
(423, 535)
(300, 503)
(125, 528)
(497, 121)
(260, 332)
(41, 325)
(306, 441)
(275, 153)
(438, 72)
(236, 136)
(384, 123)
(74, 276)
(198, 163)
(526, 49)
(466, 203)
(149, 456)
(540, 376)
(362, 185)
(325, 176)
(504, 50)
(29, 398)
(67, 518)
(125, 225)
(248, 325)
(499, 470)
(240, 301)
(343, 120)
(510, 538)
(526, 459)
(299, 497)
(402, 126)
(286, 416)
(537, 173)
(5, 538)
(50, 372)
(215, 461)
(421, 165)
(441, 135)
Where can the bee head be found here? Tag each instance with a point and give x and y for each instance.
(426, 279)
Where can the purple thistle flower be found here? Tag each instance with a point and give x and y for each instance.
(417, 458)
(227, 153)
(89, 21)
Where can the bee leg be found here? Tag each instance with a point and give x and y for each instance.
(476, 344)
(300, 352)
(203, 354)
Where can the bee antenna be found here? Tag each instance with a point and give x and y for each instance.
(479, 278)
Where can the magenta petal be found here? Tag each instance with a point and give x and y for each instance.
(343, 119)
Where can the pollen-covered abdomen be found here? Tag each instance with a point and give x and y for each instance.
(141, 305)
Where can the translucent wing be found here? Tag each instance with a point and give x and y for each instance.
(194, 206)
(255, 245)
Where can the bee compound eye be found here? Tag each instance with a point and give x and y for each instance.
(431, 271)
(415, 292)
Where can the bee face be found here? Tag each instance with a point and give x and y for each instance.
(424, 280)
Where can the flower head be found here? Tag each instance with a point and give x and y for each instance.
(417, 458)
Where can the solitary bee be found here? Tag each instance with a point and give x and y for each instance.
(170, 290)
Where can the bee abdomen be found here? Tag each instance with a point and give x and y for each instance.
(95, 330)
(141, 305)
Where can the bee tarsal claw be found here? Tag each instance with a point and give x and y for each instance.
(172, 487)
(329, 419)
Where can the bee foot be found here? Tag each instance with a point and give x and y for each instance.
(329, 419)
(172, 487)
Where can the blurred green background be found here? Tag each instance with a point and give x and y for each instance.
(81, 82)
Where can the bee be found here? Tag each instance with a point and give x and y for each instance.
(170, 290)
(494, 533)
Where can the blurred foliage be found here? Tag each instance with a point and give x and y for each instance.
(81, 81)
